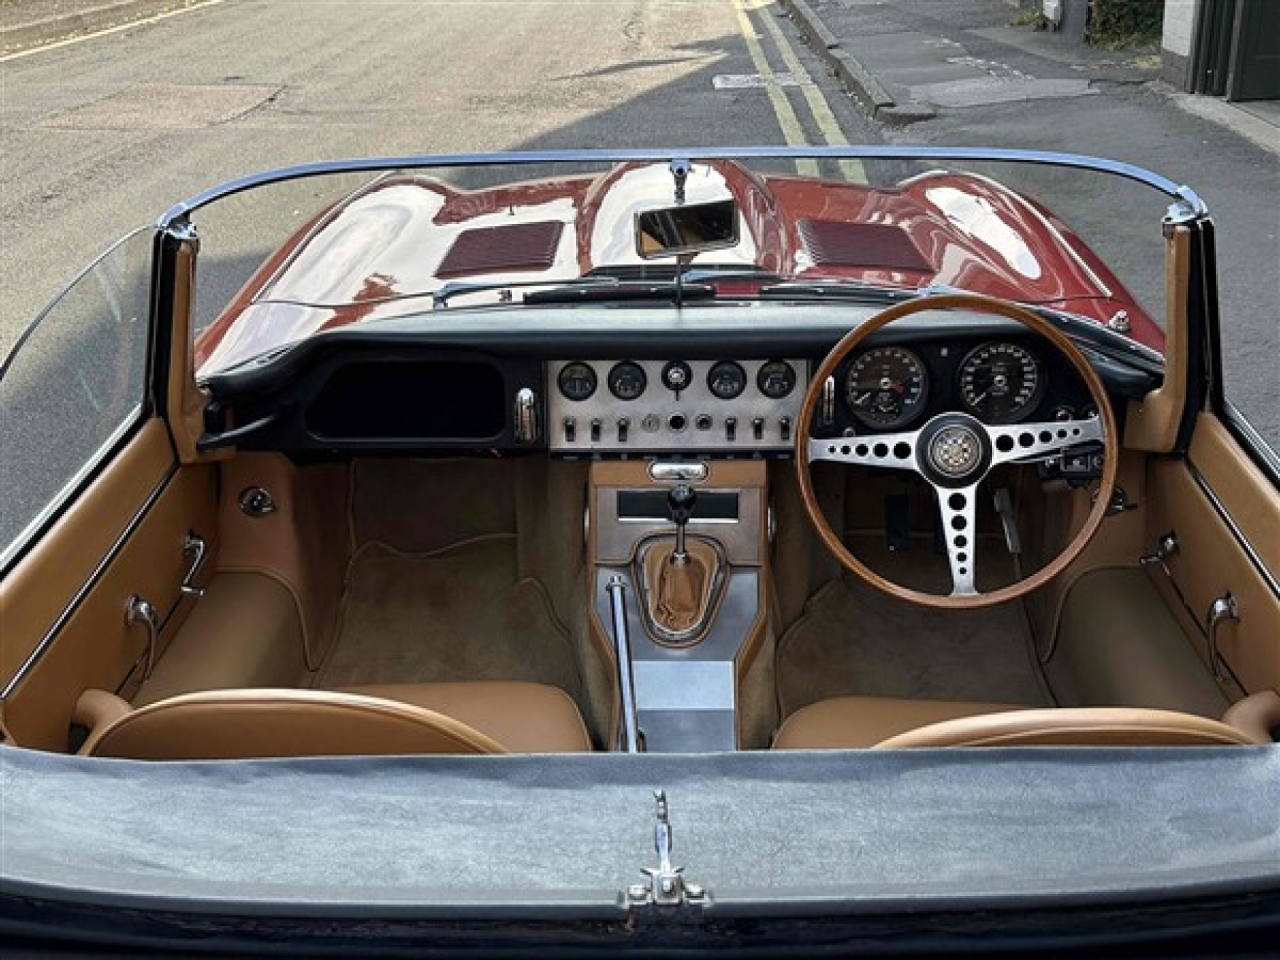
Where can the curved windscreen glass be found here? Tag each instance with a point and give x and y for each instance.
(285, 261)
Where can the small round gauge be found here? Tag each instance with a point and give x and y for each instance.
(726, 379)
(886, 387)
(577, 381)
(1000, 382)
(676, 376)
(776, 379)
(627, 380)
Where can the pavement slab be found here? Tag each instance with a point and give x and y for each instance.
(993, 89)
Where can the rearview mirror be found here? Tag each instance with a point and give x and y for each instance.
(668, 231)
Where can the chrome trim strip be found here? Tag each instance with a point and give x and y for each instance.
(1260, 450)
(43, 646)
(20, 542)
(1234, 527)
(700, 521)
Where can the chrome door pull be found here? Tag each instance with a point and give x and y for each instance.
(193, 546)
(1224, 608)
(140, 610)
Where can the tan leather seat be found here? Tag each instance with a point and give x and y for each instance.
(853, 723)
(255, 723)
(859, 722)
(523, 717)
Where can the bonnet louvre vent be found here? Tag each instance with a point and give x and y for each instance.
(523, 246)
(840, 244)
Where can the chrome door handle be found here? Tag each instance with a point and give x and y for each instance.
(1224, 608)
(140, 611)
(195, 547)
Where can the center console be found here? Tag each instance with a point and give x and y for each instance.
(678, 550)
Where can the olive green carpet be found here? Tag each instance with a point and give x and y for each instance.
(853, 640)
(461, 613)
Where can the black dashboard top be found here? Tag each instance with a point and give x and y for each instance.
(496, 381)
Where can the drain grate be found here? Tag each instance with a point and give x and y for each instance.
(164, 106)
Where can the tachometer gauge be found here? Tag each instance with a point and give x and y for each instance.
(1000, 382)
(886, 387)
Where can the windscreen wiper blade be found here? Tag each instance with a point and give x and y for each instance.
(838, 290)
(455, 288)
(661, 291)
(729, 275)
(595, 288)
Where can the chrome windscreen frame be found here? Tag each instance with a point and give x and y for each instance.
(1186, 206)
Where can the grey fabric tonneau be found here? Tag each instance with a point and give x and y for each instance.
(480, 836)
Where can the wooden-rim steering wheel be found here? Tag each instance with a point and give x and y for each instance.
(954, 452)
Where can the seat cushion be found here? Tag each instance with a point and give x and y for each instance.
(265, 722)
(852, 723)
(523, 717)
(1074, 727)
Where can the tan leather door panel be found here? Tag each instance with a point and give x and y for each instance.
(62, 607)
(1225, 514)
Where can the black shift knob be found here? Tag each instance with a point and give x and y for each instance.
(681, 499)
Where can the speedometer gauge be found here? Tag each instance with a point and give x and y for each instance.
(1000, 382)
(886, 387)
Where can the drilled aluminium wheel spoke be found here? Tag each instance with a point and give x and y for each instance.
(1034, 441)
(958, 509)
(895, 451)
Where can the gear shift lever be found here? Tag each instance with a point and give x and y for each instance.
(680, 579)
(681, 499)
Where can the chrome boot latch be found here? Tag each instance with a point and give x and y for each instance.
(667, 886)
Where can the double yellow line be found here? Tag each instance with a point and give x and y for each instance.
(130, 25)
(788, 119)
